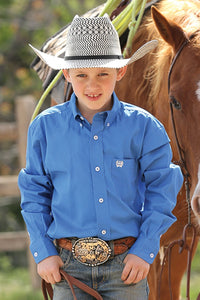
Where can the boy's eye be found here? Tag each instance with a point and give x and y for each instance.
(81, 75)
(103, 74)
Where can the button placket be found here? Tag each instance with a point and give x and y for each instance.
(98, 178)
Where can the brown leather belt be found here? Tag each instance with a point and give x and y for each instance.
(119, 246)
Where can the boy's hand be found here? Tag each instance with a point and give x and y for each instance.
(135, 269)
(48, 269)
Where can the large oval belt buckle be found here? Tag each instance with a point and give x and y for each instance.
(91, 251)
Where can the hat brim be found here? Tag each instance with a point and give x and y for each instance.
(58, 63)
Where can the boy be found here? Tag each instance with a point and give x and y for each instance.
(98, 182)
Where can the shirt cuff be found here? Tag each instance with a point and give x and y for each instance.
(43, 248)
(145, 248)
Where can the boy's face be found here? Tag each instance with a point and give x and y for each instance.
(94, 87)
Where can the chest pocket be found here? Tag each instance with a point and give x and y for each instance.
(125, 176)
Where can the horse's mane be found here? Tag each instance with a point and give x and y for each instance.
(186, 13)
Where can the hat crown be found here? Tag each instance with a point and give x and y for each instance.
(92, 43)
(92, 37)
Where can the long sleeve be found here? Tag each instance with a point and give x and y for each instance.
(162, 180)
(36, 194)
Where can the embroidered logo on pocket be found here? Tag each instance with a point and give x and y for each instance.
(119, 163)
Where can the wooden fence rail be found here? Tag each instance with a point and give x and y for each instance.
(20, 239)
(17, 132)
(8, 131)
(8, 186)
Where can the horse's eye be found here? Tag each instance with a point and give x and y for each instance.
(175, 102)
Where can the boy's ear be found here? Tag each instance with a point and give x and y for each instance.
(66, 74)
(121, 72)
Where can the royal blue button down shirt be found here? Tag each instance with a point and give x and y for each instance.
(109, 179)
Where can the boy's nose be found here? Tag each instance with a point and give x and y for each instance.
(92, 83)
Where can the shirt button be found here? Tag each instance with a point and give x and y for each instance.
(101, 200)
(97, 169)
(108, 124)
(35, 254)
(103, 231)
(96, 137)
(151, 255)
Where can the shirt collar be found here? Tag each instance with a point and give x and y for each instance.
(74, 108)
(111, 114)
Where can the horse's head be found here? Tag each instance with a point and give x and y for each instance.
(184, 95)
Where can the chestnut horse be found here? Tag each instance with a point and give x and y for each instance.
(147, 84)
(176, 25)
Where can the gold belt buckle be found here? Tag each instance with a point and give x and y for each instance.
(91, 251)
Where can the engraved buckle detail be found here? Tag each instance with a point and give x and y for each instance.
(91, 251)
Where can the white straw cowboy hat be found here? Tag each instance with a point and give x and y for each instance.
(93, 43)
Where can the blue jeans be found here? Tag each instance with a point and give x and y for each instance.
(105, 279)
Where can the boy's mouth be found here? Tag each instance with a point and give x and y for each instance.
(93, 96)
